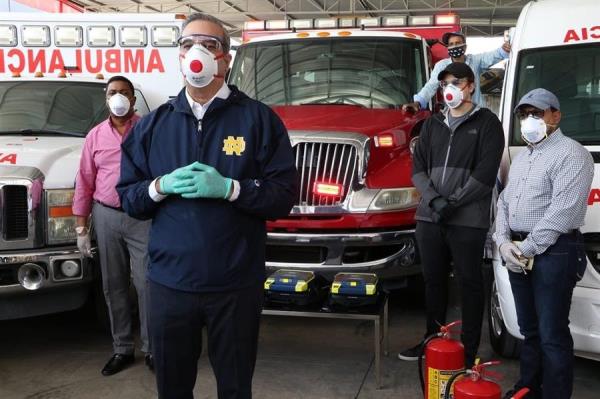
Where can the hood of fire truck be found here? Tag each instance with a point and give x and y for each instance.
(345, 118)
(56, 157)
(388, 167)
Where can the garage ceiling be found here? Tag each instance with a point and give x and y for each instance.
(479, 17)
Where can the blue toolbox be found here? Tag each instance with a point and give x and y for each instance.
(354, 290)
(293, 287)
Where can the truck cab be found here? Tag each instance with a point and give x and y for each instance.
(340, 91)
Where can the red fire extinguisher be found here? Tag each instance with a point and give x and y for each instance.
(444, 357)
(476, 385)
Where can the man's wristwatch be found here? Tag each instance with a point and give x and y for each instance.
(81, 230)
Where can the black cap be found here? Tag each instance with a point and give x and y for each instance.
(459, 70)
(447, 35)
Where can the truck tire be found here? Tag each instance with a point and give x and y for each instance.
(502, 342)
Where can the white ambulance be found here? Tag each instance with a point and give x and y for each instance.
(556, 45)
(53, 73)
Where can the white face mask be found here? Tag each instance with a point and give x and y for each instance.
(119, 104)
(199, 66)
(533, 130)
(453, 96)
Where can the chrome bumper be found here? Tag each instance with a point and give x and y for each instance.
(49, 260)
(375, 251)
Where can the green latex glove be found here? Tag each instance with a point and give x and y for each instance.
(204, 182)
(168, 181)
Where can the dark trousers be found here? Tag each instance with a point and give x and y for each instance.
(543, 301)
(438, 246)
(176, 319)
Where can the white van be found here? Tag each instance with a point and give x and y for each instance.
(556, 45)
(53, 74)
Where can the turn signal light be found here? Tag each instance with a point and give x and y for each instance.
(328, 189)
(384, 140)
(390, 138)
(60, 211)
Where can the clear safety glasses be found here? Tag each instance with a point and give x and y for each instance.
(211, 43)
(454, 82)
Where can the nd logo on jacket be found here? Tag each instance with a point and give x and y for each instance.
(233, 145)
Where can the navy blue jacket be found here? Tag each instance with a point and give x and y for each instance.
(208, 245)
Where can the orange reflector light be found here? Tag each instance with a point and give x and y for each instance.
(16, 75)
(302, 34)
(62, 74)
(38, 74)
(99, 76)
(329, 189)
(410, 35)
(323, 34)
(344, 33)
(60, 211)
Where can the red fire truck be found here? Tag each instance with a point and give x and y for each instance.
(338, 85)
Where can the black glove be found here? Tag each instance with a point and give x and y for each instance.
(442, 209)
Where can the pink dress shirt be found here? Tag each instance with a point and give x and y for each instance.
(100, 167)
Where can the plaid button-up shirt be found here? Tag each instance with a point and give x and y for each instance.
(546, 195)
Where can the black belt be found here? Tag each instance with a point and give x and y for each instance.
(518, 235)
(521, 235)
(114, 208)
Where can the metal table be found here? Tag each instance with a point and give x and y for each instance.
(379, 318)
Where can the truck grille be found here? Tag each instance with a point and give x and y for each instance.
(334, 163)
(15, 212)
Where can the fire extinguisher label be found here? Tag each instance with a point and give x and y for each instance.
(437, 382)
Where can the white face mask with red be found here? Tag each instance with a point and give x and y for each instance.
(199, 66)
(453, 96)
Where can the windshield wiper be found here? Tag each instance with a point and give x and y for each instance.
(35, 132)
(336, 100)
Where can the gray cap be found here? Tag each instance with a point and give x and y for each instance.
(539, 98)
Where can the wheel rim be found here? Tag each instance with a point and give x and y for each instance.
(495, 312)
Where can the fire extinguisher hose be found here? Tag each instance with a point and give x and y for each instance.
(420, 360)
(451, 381)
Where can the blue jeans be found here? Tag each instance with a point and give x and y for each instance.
(543, 301)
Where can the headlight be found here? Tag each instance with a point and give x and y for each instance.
(61, 221)
(394, 199)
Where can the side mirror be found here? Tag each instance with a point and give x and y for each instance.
(431, 42)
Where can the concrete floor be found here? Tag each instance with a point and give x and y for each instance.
(60, 356)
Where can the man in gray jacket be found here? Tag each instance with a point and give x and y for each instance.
(454, 169)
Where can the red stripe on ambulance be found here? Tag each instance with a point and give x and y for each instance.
(86, 60)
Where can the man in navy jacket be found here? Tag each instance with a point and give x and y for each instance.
(209, 167)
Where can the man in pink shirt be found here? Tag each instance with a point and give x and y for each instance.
(122, 240)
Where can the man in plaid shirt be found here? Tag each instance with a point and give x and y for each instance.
(539, 216)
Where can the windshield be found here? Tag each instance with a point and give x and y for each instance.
(68, 107)
(372, 72)
(573, 74)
